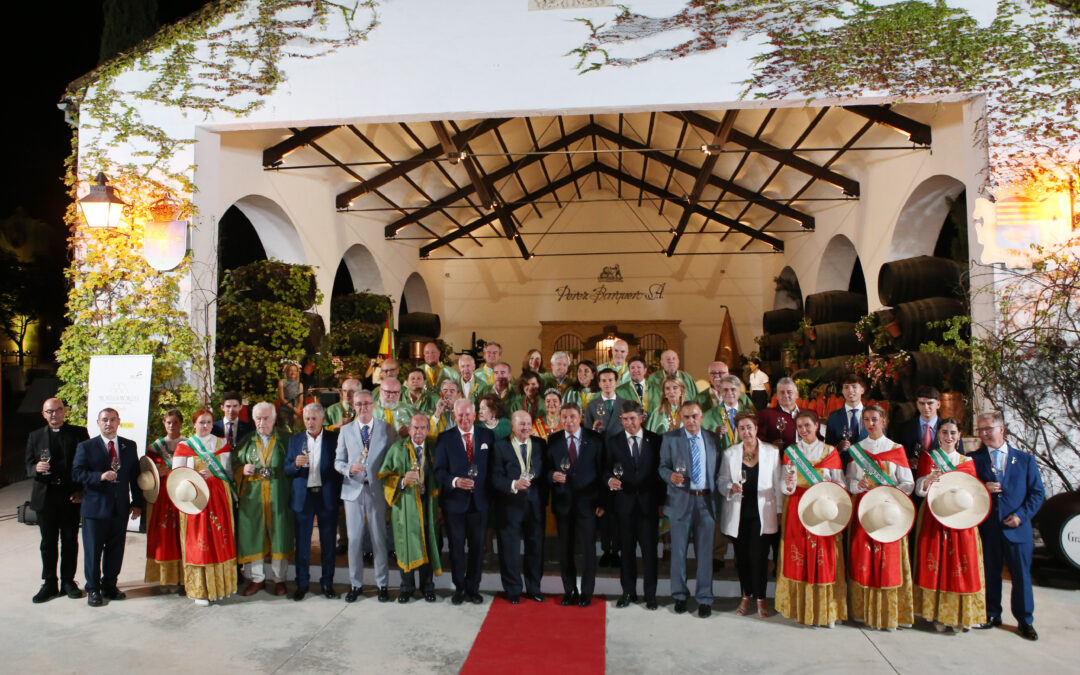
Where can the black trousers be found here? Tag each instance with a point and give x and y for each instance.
(608, 526)
(512, 530)
(574, 527)
(408, 579)
(103, 548)
(752, 557)
(468, 527)
(59, 523)
(637, 529)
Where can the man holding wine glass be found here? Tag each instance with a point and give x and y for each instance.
(515, 464)
(55, 498)
(107, 466)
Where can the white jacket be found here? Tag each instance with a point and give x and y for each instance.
(770, 485)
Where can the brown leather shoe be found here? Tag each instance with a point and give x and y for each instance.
(253, 588)
(279, 588)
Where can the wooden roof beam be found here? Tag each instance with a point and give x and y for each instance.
(918, 132)
(275, 154)
(720, 137)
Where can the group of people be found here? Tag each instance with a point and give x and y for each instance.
(438, 451)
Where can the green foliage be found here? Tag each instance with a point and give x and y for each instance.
(366, 307)
(274, 326)
(354, 338)
(252, 370)
(274, 281)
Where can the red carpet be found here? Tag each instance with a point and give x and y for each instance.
(539, 638)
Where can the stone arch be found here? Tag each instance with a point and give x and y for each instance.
(838, 261)
(276, 231)
(920, 220)
(364, 269)
(414, 296)
(788, 292)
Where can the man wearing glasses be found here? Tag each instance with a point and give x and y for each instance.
(1016, 492)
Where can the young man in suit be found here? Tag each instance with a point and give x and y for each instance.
(1016, 492)
(690, 504)
(462, 459)
(844, 426)
(602, 416)
(636, 388)
(230, 426)
(576, 500)
(361, 448)
(919, 435)
(315, 494)
(55, 497)
(110, 497)
(520, 512)
(636, 499)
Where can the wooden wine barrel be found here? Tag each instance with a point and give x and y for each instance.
(913, 317)
(1059, 523)
(775, 370)
(921, 277)
(780, 320)
(830, 369)
(927, 370)
(772, 344)
(835, 339)
(833, 306)
(423, 324)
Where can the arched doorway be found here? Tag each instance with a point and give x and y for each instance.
(920, 223)
(414, 296)
(840, 269)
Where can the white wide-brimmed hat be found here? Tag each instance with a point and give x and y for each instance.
(886, 514)
(958, 500)
(825, 509)
(188, 490)
(149, 480)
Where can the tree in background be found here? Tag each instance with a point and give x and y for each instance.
(127, 22)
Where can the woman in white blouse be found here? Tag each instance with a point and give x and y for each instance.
(751, 483)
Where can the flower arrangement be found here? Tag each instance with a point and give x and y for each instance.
(877, 369)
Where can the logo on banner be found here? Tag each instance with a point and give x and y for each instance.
(165, 244)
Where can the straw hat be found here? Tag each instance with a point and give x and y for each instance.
(149, 480)
(958, 500)
(886, 514)
(825, 509)
(188, 490)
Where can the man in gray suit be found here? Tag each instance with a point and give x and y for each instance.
(361, 447)
(687, 465)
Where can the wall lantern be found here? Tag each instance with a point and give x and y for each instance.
(165, 239)
(101, 207)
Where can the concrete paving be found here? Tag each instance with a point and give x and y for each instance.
(156, 632)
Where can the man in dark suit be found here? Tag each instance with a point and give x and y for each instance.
(1016, 492)
(462, 456)
(55, 498)
(602, 416)
(315, 494)
(575, 471)
(520, 512)
(776, 426)
(636, 499)
(230, 426)
(844, 426)
(691, 505)
(919, 435)
(110, 496)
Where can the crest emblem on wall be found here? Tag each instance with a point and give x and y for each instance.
(165, 244)
(611, 273)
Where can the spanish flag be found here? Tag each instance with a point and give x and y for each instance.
(386, 347)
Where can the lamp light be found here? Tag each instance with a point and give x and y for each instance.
(101, 207)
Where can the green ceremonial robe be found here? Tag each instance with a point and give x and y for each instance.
(434, 376)
(547, 381)
(716, 421)
(709, 399)
(650, 396)
(264, 526)
(621, 372)
(657, 381)
(396, 417)
(335, 416)
(426, 405)
(412, 515)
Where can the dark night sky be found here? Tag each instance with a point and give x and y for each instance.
(46, 46)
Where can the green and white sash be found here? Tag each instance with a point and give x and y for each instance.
(809, 473)
(213, 464)
(869, 466)
(942, 460)
(162, 449)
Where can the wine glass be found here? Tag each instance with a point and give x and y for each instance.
(115, 464)
(845, 433)
(565, 464)
(681, 470)
(527, 475)
(742, 477)
(781, 423)
(46, 457)
(617, 470)
(474, 471)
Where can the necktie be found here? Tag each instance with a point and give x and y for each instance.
(229, 433)
(997, 461)
(524, 456)
(573, 452)
(697, 471)
(731, 417)
(468, 446)
(927, 437)
(853, 426)
(633, 448)
(637, 385)
(365, 436)
(610, 405)
(113, 457)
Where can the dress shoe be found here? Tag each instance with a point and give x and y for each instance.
(384, 594)
(279, 588)
(93, 598)
(329, 593)
(300, 592)
(46, 592)
(514, 599)
(342, 548)
(113, 594)
(1027, 631)
(704, 611)
(404, 597)
(994, 622)
(570, 598)
(429, 596)
(624, 601)
(353, 594)
(680, 607)
(475, 598)
(535, 597)
(254, 587)
(650, 603)
(71, 589)
(459, 597)
(584, 601)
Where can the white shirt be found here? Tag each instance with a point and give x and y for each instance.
(901, 475)
(314, 446)
(467, 387)
(1003, 462)
(758, 381)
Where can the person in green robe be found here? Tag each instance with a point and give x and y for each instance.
(408, 479)
(415, 395)
(637, 389)
(434, 370)
(711, 398)
(264, 524)
(391, 409)
(443, 416)
(342, 412)
(669, 367)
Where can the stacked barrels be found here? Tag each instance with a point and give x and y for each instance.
(778, 328)
(834, 314)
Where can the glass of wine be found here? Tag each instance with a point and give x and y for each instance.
(781, 423)
(846, 433)
(115, 464)
(46, 457)
(565, 464)
(474, 471)
(742, 477)
(527, 475)
(681, 470)
(617, 470)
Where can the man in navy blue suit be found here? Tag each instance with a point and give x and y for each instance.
(315, 494)
(230, 426)
(107, 466)
(844, 426)
(462, 455)
(919, 435)
(1016, 492)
